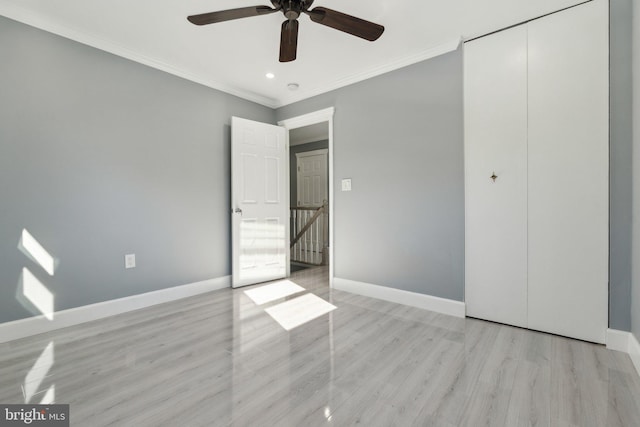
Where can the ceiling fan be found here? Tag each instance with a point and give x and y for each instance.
(289, 32)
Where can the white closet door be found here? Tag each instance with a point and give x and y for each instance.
(495, 81)
(568, 172)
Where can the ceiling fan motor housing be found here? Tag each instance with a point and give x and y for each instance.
(292, 9)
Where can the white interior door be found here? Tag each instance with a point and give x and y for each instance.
(312, 181)
(495, 82)
(568, 172)
(260, 203)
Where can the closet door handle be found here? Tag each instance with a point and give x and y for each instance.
(494, 177)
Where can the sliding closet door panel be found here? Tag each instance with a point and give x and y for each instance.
(568, 172)
(496, 208)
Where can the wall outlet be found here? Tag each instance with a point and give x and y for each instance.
(130, 261)
(346, 184)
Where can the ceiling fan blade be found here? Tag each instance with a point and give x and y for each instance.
(228, 15)
(289, 41)
(347, 23)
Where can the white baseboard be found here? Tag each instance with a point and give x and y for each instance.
(617, 340)
(625, 342)
(37, 325)
(413, 299)
(634, 351)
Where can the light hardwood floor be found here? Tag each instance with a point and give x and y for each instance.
(219, 359)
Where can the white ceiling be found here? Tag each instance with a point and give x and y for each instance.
(234, 56)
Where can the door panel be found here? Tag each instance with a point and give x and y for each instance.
(259, 212)
(568, 172)
(272, 179)
(495, 79)
(249, 178)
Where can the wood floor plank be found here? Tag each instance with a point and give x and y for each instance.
(530, 403)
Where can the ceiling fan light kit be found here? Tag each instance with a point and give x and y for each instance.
(292, 9)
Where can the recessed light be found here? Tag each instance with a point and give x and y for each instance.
(269, 75)
(293, 86)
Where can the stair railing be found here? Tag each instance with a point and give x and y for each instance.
(310, 228)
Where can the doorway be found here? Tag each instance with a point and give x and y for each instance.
(309, 195)
(310, 141)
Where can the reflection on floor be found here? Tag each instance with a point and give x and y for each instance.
(298, 267)
(220, 359)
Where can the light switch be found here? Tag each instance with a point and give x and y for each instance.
(346, 184)
(130, 261)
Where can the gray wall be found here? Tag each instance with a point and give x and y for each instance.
(99, 157)
(620, 166)
(399, 137)
(635, 303)
(293, 150)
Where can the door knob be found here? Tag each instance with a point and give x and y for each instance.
(238, 210)
(494, 177)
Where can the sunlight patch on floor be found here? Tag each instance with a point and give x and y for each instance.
(50, 396)
(273, 291)
(38, 373)
(298, 311)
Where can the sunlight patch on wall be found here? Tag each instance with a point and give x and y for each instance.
(32, 290)
(34, 250)
(37, 298)
(298, 311)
